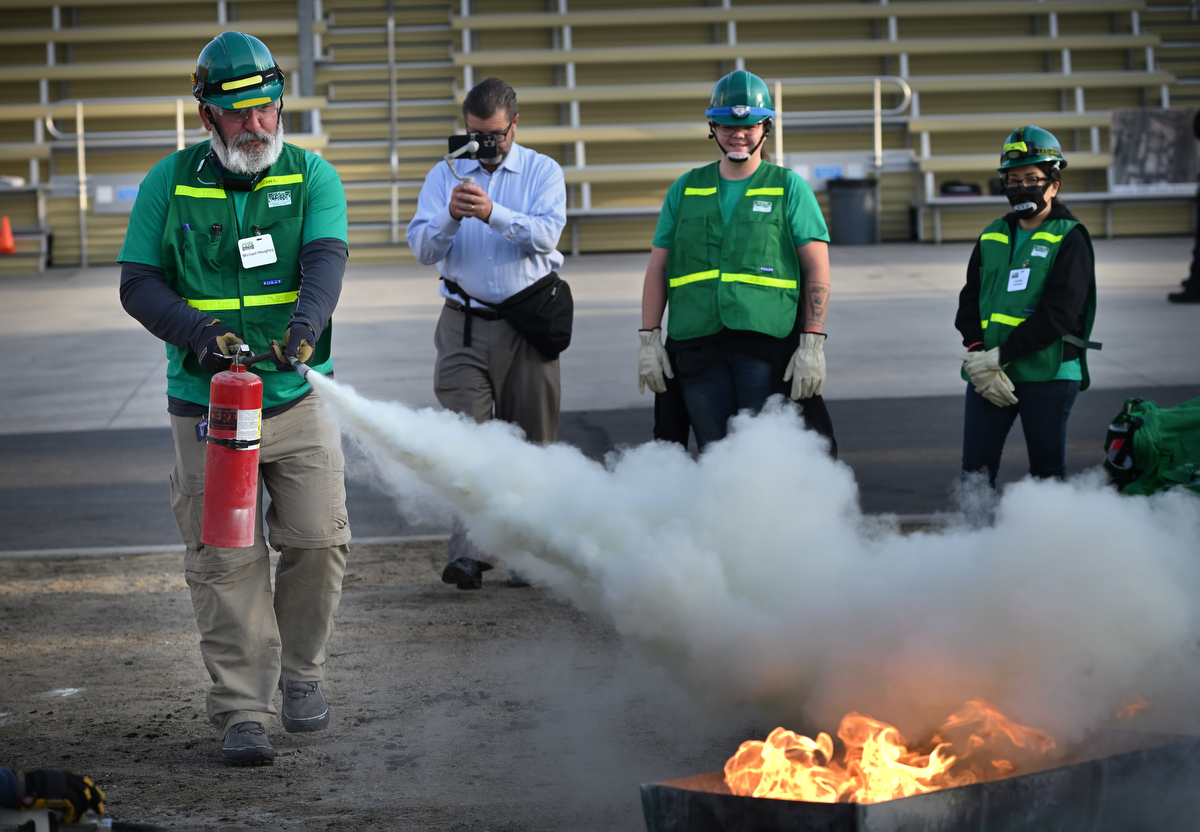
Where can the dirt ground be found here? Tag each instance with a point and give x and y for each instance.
(503, 709)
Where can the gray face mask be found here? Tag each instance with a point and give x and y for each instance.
(1027, 202)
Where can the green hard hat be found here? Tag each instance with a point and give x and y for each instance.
(236, 71)
(740, 98)
(1029, 145)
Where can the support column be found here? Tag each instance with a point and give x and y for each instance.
(731, 36)
(304, 37)
(468, 71)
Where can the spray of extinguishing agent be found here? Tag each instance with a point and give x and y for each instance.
(231, 464)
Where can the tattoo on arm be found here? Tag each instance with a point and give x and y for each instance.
(816, 299)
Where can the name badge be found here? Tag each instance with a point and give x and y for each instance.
(1018, 279)
(763, 205)
(259, 251)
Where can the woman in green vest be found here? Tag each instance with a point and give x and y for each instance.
(1026, 314)
(741, 258)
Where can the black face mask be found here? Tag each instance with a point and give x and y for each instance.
(1027, 202)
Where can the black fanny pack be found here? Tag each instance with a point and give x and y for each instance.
(542, 312)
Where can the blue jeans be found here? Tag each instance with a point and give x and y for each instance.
(1044, 407)
(733, 382)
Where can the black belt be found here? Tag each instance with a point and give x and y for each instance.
(483, 314)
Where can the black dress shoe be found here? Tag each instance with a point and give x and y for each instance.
(1186, 296)
(466, 573)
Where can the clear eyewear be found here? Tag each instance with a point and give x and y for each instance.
(730, 129)
(1028, 182)
(263, 111)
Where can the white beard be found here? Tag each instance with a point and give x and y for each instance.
(238, 159)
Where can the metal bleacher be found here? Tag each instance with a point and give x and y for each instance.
(612, 89)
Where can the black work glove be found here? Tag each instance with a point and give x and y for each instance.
(298, 340)
(70, 794)
(216, 340)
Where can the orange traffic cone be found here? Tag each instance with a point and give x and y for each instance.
(7, 244)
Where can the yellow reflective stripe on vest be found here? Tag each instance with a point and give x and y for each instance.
(758, 280)
(999, 238)
(1004, 319)
(272, 181)
(200, 193)
(270, 300)
(699, 191)
(692, 278)
(215, 305)
(1046, 235)
(765, 192)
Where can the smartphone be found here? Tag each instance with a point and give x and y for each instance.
(488, 145)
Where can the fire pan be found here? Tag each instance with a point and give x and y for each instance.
(1154, 788)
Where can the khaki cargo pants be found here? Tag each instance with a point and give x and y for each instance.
(248, 638)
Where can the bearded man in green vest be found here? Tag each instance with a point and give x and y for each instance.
(1026, 314)
(242, 239)
(740, 262)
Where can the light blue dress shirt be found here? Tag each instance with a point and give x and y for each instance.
(493, 261)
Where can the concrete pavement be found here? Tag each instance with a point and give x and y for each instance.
(73, 360)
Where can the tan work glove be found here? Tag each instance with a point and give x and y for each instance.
(653, 363)
(297, 340)
(989, 377)
(806, 369)
(217, 340)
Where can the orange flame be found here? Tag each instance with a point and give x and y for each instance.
(876, 762)
(1135, 705)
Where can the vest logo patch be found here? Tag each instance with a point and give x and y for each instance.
(1040, 251)
(277, 199)
(763, 205)
(766, 268)
(274, 282)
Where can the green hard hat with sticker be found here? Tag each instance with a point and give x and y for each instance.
(740, 98)
(236, 71)
(1029, 145)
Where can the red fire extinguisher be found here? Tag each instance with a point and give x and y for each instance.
(231, 466)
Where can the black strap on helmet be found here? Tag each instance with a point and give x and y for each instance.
(257, 78)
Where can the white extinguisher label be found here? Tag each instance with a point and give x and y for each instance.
(249, 425)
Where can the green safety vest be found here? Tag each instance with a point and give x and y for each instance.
(1011, 283)
(744, 276)
(206, 269)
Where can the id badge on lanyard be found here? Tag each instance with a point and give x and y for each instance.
(257, 251)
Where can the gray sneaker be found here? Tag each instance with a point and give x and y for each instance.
(304, 707)
(246, 744)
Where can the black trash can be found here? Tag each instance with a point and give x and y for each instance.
(851, 211)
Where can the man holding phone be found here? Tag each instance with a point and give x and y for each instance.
(491, 240)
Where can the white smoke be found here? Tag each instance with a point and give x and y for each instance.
(752, 575)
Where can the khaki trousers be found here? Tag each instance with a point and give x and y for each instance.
(501, 375)
(249, 638)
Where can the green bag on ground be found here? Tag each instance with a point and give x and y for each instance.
(1151, 448)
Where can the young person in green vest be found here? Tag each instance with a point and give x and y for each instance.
(242, 239)
(740, 262)
(1026, 314)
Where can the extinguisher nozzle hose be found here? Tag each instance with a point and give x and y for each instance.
(299, 366)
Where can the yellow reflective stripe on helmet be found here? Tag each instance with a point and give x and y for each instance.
(270, 300)
(250, 102)
(999, 238)
(699, 191)
(214, 305)
(272, 181)
(765, 192)
(758, 280)
(1014, 146)
(1046, 235)
(692, 278)
(253, 80)
(1006, 319)
(200, 193)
